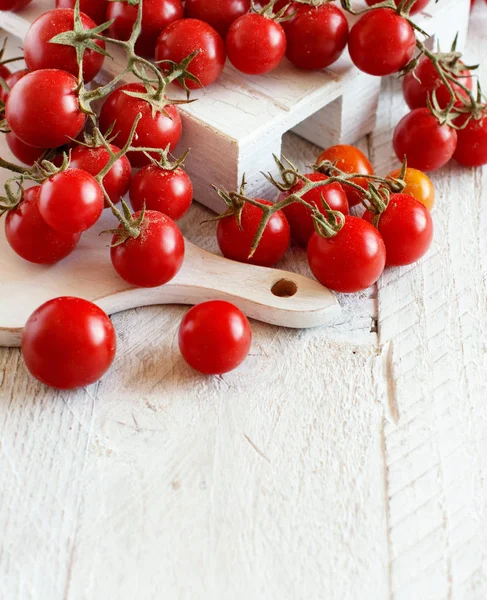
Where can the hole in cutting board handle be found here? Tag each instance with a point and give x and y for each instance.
(284, 288)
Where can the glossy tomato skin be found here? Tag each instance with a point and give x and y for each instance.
(92, 160)
(156, 16)
(381, 42)
(31, 237)
(13, 4)
(26, 154)
(255, 44)
(349, 160)
(418, 6)
(68, 343)
(154, 257)
(426, 144)
(71, 201)
(316, 36)
(39, 53)
(220, 14)
(236, 243)
(299, 216)
(215, 337)
(418, 185)
(352, 260)
(169, 192)
(95, 9)
(471, 150)
(11, 79)
(183, 37)
(406, 228)
(43, 110)
(153, 131)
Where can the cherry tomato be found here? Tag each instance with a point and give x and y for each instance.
(68, 343)
(418, 6)
(418, 185)
(299, 216)
(471, 150)
(236, 243)
(215, 337)
(426, 144)
(11, 79)
(71, 201)
(95, 9)
(156, 16)
(92, 160)
(416, 92)
(31, 237)
(349, 160)
(26, 154)
(169, 192)
(154, 257)
(255, 44)
(156, 130)
(13, 4)
(4, 72)
(39, 53)
(406, 228)
(350, 261)
(183, 37)
(43, 110)
(381, 42)
(220, 14)
(316, 35)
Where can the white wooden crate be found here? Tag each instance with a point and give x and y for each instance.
(238, 122)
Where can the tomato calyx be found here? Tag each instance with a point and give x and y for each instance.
(131, 227)
(267, 11)
(12, 197)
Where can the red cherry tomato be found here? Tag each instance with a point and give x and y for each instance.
(43, 110)
(156, 16)
(11, 79)
(92, 160)
(215, 337)
(68, 343)
(406, 228)
(352, 260)
(220, 14)
(255, 44)
(71, 201)
(154, 257)
(26, 154)
(95, 9)
(236, 243)
(471, 150)
(316, 36)
(416, 92)
(39, 53)
(418, 6)
(381, 42)
(156, 130)
(169, 192)
(349, 160)
(299, 216)
(183, 37)
(13, 4)
(426, 144)
(31, 237)
(4, 72)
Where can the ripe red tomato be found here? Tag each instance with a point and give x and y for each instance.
(381, 42)
(426, 144)
(316, 35)
(11, 79)
(471, 150)
(299, 216)
(43, 110)
(418, 6)
(95, 9)
(68, 343)
(156, 130)
(156, 16)
(418, 185)
(349, 160)
(13, 4)
(31, 237)
(352, 260)
(220, 14)
(26, 154)
(406, 228)
(255, 44)
(4, 71)
(39, 53)
(183, 37)
(92, 160)
(215, 337)
(169, 192)
(236, 243)
(71, 201)
(416, 92)
(154, 257)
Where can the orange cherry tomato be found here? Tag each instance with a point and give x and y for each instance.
(418, 185)
(350, 160)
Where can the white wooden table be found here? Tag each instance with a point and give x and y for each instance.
(344, 463)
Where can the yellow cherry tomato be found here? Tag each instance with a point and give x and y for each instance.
(418, 185)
